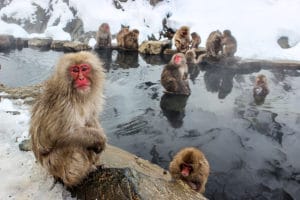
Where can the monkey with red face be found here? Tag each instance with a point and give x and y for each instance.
(103, 36)
(174, 76)
(66, 137)
(190, 166)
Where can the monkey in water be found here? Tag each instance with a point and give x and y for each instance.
(120, 36)
(229, 44)
(66, 137)
(103, 36)
(174, 77)
(213, 43)
(131, 40)
(196, 40)
(182, 39)
(190, 166)
(191, 57)
(261, 89)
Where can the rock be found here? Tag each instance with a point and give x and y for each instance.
(153, 47)
(58, 45)
(41, 43)
(41, 15)
(154, 2)
(7, 42)
(284, 42)
(76, 46)
(13, 112)
(85, 37)
(75, 28)
(126, 176)
(25, 145)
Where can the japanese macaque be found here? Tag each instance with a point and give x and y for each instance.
(191, 166)
(66, 136)
(103, 36)
(131, 40)
(261, 89)
(120, 36)
(182, 39)
(213, 43)
(196, 40)
(174, 77)
(229, 44)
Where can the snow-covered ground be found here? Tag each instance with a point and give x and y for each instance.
(21, 177)
(257, 24)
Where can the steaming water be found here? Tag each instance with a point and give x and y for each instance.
(253, 149)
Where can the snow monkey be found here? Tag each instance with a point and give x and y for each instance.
(174, 76)
(103, 36)
(191, 166)
(213, 43)
(182, 39)
(229, 44)
(261, 89)
(120, 36)
(131, 40)
(67, 138)
(196, 40)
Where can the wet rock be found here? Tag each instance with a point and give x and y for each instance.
(25, 145)
(284, 42)
(58, 45)
(76, 46)
(154, 2)
(41, 43)
(153, 47)
(13, 112)
(7, 42)
(125, 176)
(85, 37)
(20, 43)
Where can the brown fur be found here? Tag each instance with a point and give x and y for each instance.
(65, 133)
(182, 39)
(213, 43)
(261, 89)
(131, 40)
(103, 36)
(120, 36)
(191, 55)
(174, 77)
(196, 40)
(196, 159)
(229, 44)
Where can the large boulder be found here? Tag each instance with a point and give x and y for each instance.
(42, 43)
(7, 42)
(58, 45)
(76, 46)
(153, 47)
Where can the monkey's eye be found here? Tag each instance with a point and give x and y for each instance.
(85, 68)
(75, 69)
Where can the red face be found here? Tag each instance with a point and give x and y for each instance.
(80, 74)
(106, 28)
(177, 59)
(186, 170)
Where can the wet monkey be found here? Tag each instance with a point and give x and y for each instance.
(66, 136)
(229, 44)
(174, 76)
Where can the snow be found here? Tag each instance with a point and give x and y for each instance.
(256, 24)
(26, 179)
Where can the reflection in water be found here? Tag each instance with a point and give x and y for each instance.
(173, 107)
(219, 80)
(253, 150)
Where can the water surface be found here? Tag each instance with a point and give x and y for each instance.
(253, 149)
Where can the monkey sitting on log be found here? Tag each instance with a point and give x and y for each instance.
(229, 44)
(174, 77)
(66, 137)
(190, 166)
(213, 43)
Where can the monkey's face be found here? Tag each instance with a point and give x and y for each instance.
(185, 169)
(80, 75)
(105, 27)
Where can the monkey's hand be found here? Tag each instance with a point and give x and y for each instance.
(99, 140)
